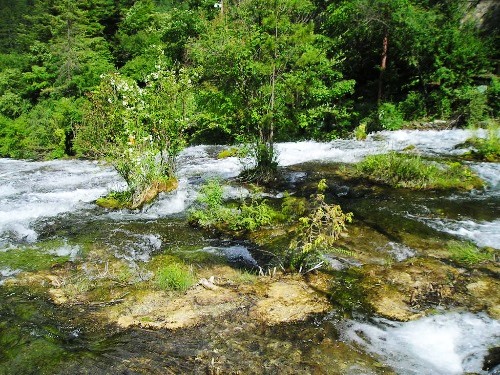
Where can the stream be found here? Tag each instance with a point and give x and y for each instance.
(48, 208)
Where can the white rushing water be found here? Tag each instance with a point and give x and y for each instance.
(33, 193)
(447, 344)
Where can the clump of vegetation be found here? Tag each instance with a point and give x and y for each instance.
(317, 225)
(467, 254)
(487, 149)
(317, 232)
(389, 117)
(115, 200)
(213, 213)
(229, 152)
(411, 171)
(29, 259)
(174, 276)
(360, 132)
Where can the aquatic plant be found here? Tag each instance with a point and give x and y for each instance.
(488, 148)
(317, 232)
(466, 253)
(211, 212)
(414, 172)
(174, 276)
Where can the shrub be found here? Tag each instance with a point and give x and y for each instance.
(175, 276)
(487, 148)
(389, 117)
(316, 232)
(212, 212)
(360, 132)
(413, 107)
(209, 210)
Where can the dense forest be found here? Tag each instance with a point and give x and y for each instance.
(128, 80)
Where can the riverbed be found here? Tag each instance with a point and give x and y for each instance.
(50, 226)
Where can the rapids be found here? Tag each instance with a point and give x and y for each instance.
(48, 206)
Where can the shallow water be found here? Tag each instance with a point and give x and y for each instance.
(48, 206)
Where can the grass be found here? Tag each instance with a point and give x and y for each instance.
(487, 149)
(413, 172)
(466, 253)
(174, 276)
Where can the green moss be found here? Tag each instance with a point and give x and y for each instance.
(413, 172)
(347, 293)
(115, 200)
(29, 259)
(229, 152)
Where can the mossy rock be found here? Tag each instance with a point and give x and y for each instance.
(228, 153)
(121, 200)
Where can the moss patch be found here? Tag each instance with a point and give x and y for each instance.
(29, 259)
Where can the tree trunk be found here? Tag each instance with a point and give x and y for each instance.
(383, 66)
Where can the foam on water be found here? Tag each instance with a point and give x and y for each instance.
(489, 172)
(235, 253)
(33, 191)
(133, 246)
(5, 273)
(66, 250)
(448, 344)
(481, 233)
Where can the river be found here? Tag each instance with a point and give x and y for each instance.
(49, 207)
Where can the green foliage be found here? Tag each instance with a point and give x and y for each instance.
(174, 276)
(139, 130)
(488, 148)
(44, 132)
(317, 232)
(211, 212)
(360, 132)
(413, 172)
(413, 107)
(467, 254)
(229, 152)
(264, 75)
(292, 207)
(389, 117)
(493, 93)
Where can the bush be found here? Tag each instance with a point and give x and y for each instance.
(360, 132)
(316, 232)
(411, 171)
(413, 107)
(488, 148)
(389, 117)
(213, 213)
(175, 276)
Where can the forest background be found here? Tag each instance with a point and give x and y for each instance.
(130, 80)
